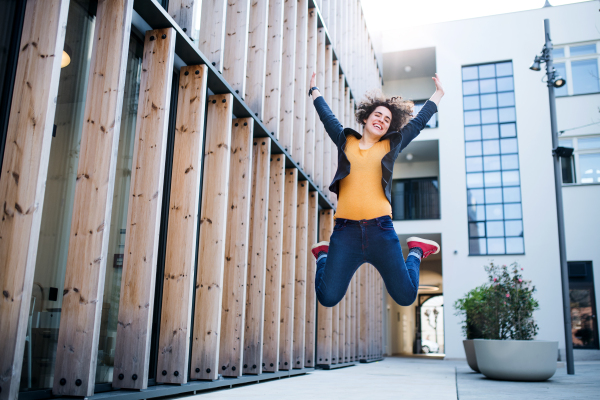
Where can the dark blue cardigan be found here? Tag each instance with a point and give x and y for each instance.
(398, 141)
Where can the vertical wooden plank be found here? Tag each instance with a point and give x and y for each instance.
(300, 84)
(257, 57)
(288, 269)
(212, 238)
(274, 260)
(363, 311)
(235, 59)
(257, 257)
(132, 350)
(302, 255)
(342, 330)
(23, 179)
(311, 269)
(356, 319)
(211, 40)
(236, 249)
(178, 279)
(185, 13)
(348, 115)
(319, 128)
(311, 115)
(273, 66)
(86, 260)
(324, 324)
(335, 322)
(288, 66)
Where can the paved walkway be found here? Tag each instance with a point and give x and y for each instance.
(413, 378)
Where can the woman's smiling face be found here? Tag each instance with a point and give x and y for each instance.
(379, 121)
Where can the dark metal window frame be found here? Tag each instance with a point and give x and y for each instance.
(501, 186)
(409, 180)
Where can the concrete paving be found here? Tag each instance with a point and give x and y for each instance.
(414, 378)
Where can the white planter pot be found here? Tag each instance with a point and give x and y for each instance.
(516, 360)
(470, 352)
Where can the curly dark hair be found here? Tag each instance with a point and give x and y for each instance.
(401, 109)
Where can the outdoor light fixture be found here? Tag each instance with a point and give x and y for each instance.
(546, 57)
(559, 81)
(535, 65)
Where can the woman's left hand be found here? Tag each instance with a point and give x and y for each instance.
(439, 90)
(438, 84)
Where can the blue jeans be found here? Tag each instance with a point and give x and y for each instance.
(372, 241)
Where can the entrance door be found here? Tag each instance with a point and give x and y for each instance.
(430, 325)
(584, 326)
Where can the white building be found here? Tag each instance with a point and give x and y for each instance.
(495, 117)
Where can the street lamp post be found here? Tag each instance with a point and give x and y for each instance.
(556, 81)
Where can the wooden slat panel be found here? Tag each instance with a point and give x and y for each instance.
(311, 115)
(23, 179)
(235, 59)
(342, 330)
(212, 238)
(178, 279)
(288, 269)
(348, 324)
(311, 268)
(86, 260)
(300, 85)
(211, 40)
(257, 257)
(319, 128)
(288, 66)
(257, 56)
(274, 260)
(363, 311)
(273, 66)
(324, 324)
(354, 318)
(132, 350)
(185, 13)
(332, 21)
(302, 249)
(236, 249)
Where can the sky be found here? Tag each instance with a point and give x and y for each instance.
(389, 14)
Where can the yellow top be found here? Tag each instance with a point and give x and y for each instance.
(361, 193)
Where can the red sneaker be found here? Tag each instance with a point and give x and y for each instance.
(321, 247)
(429, 247)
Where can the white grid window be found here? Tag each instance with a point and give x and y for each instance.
(579, 64)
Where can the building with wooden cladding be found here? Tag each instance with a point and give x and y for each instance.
(164, 175)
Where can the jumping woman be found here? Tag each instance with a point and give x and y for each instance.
(363, 231)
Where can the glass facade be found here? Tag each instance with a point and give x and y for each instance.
(415, 199)
(492, 160)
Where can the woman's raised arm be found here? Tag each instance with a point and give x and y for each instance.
(332, 124)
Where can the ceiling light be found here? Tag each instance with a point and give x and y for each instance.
(429, 288)
(408, 68)
(409, 156)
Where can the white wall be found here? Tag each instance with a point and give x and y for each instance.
(517, 37)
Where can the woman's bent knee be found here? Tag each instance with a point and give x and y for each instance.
(328, 300)
(405, 299)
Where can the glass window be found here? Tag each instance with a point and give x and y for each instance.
(504, 69)
(507, 114)
(491, 147)
(488, 100)
(474, 164)
(589, 167)
(508, 130)
(472, 118)
(489, 131)
(492, 164)
(471, 102)
(472, 133)
(561, 70)
(587, 143)
(558, 53)
(432, 123)
(489, 116)
(414, 199)
(506, 99)
(583, 50)
(585, 76)
(473, 148)
(568, 175)
(505, 84)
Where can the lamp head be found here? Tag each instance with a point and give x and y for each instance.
(559, 81)
(535, 65)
